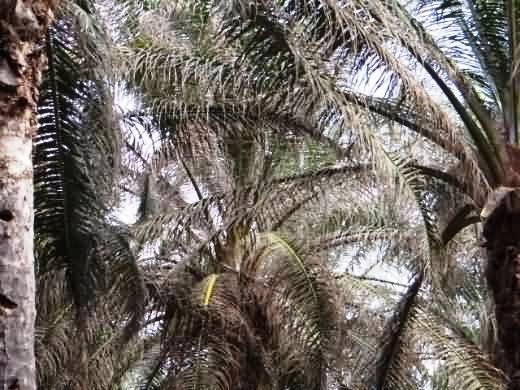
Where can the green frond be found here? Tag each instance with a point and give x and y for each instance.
(489, 30)
(123, 279)
(437, 65)
(76, 165)
(68, 193)
(216, 337)
(304, 293)
(57, 342)
(408, 179)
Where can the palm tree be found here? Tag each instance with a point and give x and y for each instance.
(23, 26)
(227, 85)
(445, 70)
(226, 292)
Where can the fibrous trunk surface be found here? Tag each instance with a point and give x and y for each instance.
(502, 241)
(23, 24)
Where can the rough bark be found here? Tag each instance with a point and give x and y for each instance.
(23, 24)
(502, 241)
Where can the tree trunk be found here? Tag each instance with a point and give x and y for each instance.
(23, 24)
(502, 241)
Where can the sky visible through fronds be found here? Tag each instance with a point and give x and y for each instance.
(294, 201)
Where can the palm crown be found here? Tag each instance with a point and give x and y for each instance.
(414, 105)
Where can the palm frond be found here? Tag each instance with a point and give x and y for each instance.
(76, 163)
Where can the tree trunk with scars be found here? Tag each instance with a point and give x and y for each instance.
(23, 24)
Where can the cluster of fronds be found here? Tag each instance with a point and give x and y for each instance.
(276, 150)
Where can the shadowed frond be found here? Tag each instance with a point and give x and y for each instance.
(79, 255)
